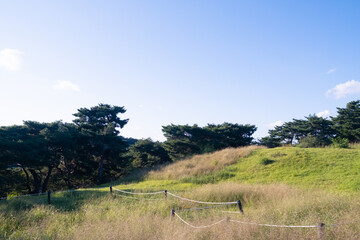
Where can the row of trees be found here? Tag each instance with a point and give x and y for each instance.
(37, 156)
(316, 131)
(184, 140)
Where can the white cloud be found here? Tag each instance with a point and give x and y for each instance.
(274, 124)
(11, 59)
(323, 114)
(331, 71)
(344, 89)
(66, 85)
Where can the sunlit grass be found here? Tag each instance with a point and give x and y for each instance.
(201, 164)
(299, 187)
(104, 216)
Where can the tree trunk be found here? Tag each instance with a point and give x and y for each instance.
(27, 180)
(46, 180)
(101, 169)
(37, 180)
(68, 171)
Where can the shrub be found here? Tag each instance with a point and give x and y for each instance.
(340, 142)
(309, 141)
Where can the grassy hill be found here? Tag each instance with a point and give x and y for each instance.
(291, 186)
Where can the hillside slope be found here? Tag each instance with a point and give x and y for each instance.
(325, 168)
(282, 186)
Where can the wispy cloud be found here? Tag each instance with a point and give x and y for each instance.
(331, 71)
(344, 89)
(274, 124)
(323, 114)
(66, 86)
(11, 59)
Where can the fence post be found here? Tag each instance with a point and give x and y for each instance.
(165, 194)
(320, 231)
(110, 189)
(49, 200)
(172, 214)
(240, 206)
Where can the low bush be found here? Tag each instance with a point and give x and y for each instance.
(340, 142)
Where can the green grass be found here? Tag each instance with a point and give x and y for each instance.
(329, 169)
(276, 186)
(324, 168)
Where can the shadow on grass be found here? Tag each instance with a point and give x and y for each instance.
(63, 202)
(138, 175)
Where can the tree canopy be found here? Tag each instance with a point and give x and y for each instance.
(185, 140)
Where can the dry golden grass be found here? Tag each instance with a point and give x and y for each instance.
(202, 164)
(274, 204)
(120, 218)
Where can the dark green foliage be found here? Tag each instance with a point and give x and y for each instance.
(185, 140)
(231, 135)
(270, 141)
(181, 148)
(26, 149)
(100, 127)
(340, 142)
(347, 122)
(299, 131)
(36, 156)
(309, 142)
(146, 153)
(129, 141)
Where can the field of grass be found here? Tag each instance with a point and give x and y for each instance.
(290, 186)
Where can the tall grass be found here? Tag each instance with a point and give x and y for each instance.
(202, 164)
(114, 217)
(269, 194)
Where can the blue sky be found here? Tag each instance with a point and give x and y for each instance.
(180, 62)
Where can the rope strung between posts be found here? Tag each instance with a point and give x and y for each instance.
(251, 223)
(199, 226)
(343, 223)
(195, 201)
(271, 225)
(203, 208)
(148, 199)
(142, 193)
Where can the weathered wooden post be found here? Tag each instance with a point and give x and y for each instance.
(240, 206)
(172, 214)
(165, 194)
(49, 192)
(320, 231)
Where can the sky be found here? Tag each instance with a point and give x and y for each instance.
(178, 62)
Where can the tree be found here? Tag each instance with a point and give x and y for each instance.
(347, 122)
(146, 153)
(320, 128)
(232, 135)
(185, 140)
(10, 177)
(27, 149)
(270, 141)
(100, 125)
(312, 129)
